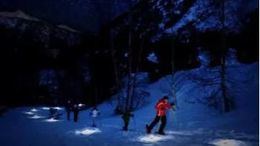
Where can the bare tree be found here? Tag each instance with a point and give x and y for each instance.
(225, 99)
(173, 88)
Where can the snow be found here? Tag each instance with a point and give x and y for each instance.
(228, 142)
(87, 131)
(204, 15)
(29, 113)
(58, 108)
(51, 120)
(67, 28)
(191, 124)
(45, 108)
(204, 59)
(36, 117)
(188, 17)
(231, 58)
(152, 58)
(186, 133)
(18, 14)
(152, 138)
(34, 110)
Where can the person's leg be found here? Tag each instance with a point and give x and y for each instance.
(125, 124)
(74, 117)
(68, 115)
(77, 116)
(163, 124)
(154, 122)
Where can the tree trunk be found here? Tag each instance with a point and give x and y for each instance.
(172, 74)
(116, 72)
(129, 83)
(225, 99)
(130, 68)
(136, 71)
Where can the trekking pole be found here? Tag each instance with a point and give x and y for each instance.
(174, 117)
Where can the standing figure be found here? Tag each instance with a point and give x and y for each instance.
(161, 107)
(126, 118)
(76, 112)
(94, 114)
(68, 108)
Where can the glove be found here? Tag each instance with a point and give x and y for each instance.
(173, 107)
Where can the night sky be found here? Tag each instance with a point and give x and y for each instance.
(84, 15)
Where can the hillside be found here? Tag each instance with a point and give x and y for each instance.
(192, 123)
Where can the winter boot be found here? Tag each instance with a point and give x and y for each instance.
(148, 129)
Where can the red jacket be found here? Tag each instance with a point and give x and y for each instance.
(162, 106)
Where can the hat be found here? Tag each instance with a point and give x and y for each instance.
(165, 97)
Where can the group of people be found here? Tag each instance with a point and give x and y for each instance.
(75, 108)
(161, 108)
(72, 107)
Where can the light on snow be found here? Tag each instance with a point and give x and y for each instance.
(48, 108)
(36, 117)
(58, 108)
(153, 138)
(34, 110)
(227, 142)
(45, 108)
(51, 120)
(87, 131)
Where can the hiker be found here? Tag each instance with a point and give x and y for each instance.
(161, 107)
(68, 108)
(76, 112)
(94, 114)
(126, 118)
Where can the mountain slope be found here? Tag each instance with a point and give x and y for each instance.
(192, 123)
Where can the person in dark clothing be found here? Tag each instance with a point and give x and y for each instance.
(126, 118)
(161, 107)
(68, 108)
(76, 112)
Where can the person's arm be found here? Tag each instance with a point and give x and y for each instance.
(168, 106)
(173, 106)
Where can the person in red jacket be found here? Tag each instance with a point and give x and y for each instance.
(161, 107)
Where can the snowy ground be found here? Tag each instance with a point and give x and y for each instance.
(30, 126)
